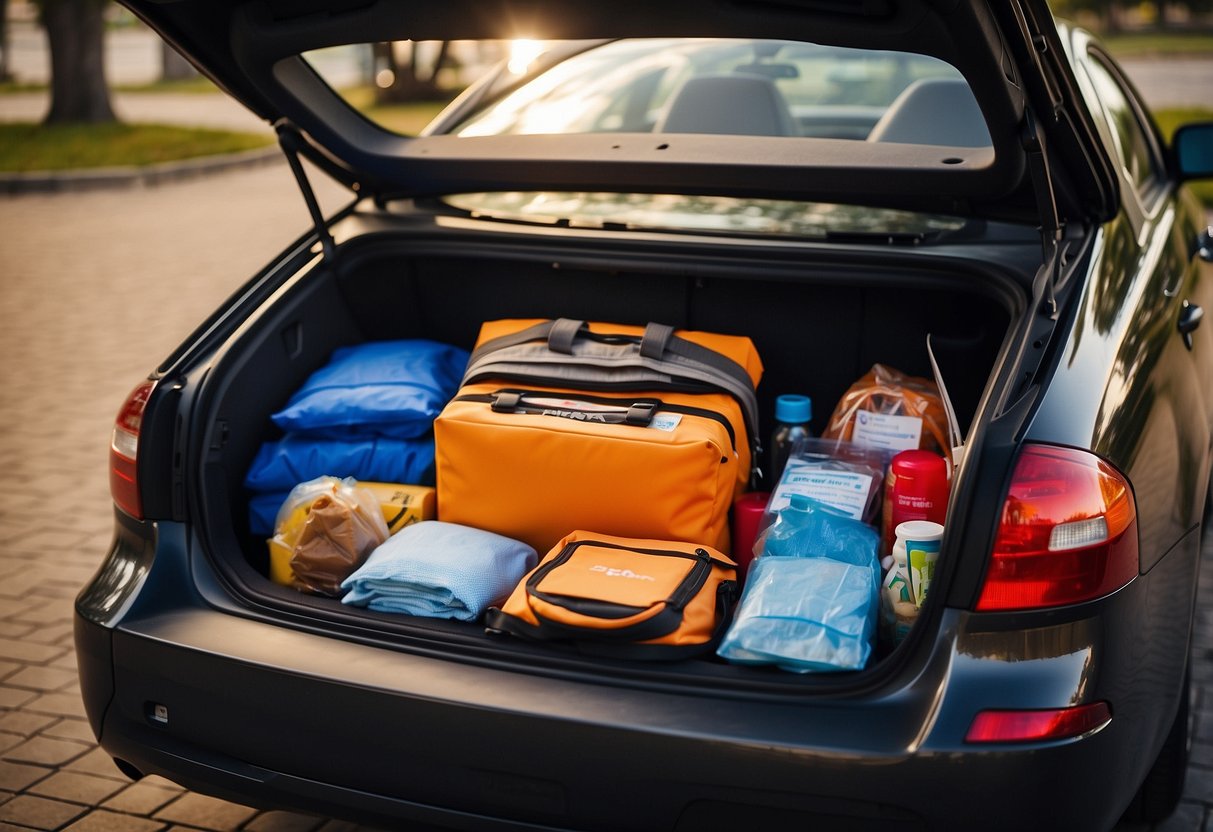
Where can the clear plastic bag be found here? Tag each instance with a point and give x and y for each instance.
(843, 475)
(324, 531)
(889, 409)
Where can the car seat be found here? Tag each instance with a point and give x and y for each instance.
(934, 111)
(731, 104)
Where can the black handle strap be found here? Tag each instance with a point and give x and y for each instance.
(656, 339)
(563, 333)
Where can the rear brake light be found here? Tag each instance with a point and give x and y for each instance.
(1068, 532)
(1034, 726)
(124, 451)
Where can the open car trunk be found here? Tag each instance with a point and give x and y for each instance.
(819, 315)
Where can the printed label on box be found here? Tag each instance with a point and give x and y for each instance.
(880, 430)
(844, 490)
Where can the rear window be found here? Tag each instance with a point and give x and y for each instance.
(714, 86)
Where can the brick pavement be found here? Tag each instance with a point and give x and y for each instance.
(95, 289)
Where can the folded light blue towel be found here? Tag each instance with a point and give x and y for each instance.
(439, 570)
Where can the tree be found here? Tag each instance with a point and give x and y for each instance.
(4, 47)
(75, 31)
(408, 71)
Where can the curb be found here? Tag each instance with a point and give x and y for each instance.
(41, 182)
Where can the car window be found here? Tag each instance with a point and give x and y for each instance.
(1137, 152)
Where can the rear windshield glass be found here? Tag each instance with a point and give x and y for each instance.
(728, 87)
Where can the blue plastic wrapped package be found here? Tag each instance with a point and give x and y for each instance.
(803, 615)
(810, 528)
(811, 600)
(381, 388)
(280, 466)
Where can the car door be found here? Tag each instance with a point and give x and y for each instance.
(1156, 413)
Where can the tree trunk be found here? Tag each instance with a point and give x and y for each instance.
(4, 47)
(416, 80)
(75, 31)
(173, 67)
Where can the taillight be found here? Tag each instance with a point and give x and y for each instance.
(1068, 532)
(124, 451)
(1036, 726)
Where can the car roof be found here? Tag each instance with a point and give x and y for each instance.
(1009, 52)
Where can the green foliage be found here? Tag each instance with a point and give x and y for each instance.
(34, 147)
(1169, 121)
(407, 118)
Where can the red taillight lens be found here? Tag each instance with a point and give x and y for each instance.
(124, 451)
(1068, 532)
(1034, 726)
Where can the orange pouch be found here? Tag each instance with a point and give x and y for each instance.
(522, 455)
(643, 599)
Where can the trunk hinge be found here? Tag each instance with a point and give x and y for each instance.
(1052, 229)
(289, 139)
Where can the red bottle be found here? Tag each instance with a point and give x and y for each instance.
(916, 488)
(747, 522)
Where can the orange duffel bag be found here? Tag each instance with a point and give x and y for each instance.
(642, 599)
(635, 431)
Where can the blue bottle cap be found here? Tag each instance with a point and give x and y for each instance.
(793, 410)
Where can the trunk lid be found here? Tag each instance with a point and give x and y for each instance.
(1008, 52)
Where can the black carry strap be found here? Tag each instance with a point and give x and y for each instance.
(658, 341)
(563, 333)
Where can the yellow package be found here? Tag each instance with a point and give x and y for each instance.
(401, 505)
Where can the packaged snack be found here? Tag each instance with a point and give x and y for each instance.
(891, 410)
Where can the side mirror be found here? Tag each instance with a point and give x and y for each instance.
(1193, 149)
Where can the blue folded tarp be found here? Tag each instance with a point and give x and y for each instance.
(439, 570)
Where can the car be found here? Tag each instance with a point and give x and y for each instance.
(834, 181)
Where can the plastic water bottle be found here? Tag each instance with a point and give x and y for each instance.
(792, 417)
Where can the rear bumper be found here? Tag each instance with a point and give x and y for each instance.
(277, 716)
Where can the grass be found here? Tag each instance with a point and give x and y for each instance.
(1159, 44)
(406, 118)
(34, 147)
(1169, 120)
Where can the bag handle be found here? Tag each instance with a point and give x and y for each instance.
(563, 333)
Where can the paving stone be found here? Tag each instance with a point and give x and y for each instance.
(15, 629)
(99, 763)
(70, 729)
(76, 788)
(42, 613)
(24, 723)
(46, 751)
(1186, 818)
(15, 776)
(57, 704)
(103, 821)
(46, 679)
(1198, 785)
(24, 651)
(39, 812)
(283, 822)
(55, 633)
(8, 741)
(142, 798)
(15, 697)
(206, 812)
